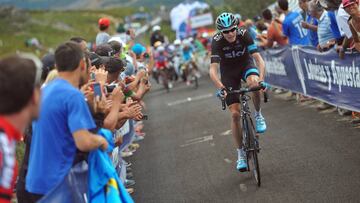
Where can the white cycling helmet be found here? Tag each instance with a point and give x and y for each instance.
(177, 42)
(156, 28)
(160, 49)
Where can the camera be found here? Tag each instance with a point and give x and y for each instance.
(110, 88)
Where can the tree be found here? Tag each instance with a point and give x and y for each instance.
(247, 8)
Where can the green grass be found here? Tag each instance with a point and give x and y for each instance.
(47, 27)
(44, 25)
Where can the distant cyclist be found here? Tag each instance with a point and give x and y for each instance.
(233, 50)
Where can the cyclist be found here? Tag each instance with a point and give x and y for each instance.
(188, 59)
(233, 50)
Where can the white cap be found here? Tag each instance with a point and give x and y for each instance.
(117, 39)
(156, 28)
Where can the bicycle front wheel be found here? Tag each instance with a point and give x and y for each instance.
(254, 152)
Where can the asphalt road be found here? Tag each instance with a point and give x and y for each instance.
(188, 154)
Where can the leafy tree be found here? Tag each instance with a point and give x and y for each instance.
(246, 8)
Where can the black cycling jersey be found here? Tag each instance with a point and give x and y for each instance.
(233, 56)
(235, 60)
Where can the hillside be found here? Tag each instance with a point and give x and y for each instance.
(53, 27)
(93, 4)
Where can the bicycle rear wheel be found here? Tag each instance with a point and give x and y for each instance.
(253, 151)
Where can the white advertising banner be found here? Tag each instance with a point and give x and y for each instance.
(201, 20)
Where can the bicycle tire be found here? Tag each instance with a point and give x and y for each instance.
(254, 152)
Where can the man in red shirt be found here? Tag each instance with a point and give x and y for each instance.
(19, 104)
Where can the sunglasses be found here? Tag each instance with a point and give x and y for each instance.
(228, 31)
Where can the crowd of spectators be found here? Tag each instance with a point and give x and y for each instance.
(91, 107)
(322, 24)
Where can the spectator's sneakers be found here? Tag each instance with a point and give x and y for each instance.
(130, 190)
(138, 138)
(323, 106)
(129, 183)
(126, 154)
(241, 164)
(260, 124)
(129, 175)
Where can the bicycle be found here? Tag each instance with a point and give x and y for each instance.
(250, 140)
(191, 73)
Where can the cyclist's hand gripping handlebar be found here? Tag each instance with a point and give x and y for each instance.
(221, 94)
(265, 87)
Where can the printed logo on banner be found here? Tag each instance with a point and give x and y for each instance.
(348, 76)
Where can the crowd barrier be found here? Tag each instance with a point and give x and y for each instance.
(320, 75)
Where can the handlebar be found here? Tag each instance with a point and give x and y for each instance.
(245, 90)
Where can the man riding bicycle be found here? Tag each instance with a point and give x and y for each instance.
(233, 50)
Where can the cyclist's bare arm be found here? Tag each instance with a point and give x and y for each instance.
(260, 64)
(214, 67)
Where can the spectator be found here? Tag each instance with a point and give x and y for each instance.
(104, 50)
(48, 62)
(292, 25)
(352, 8)
(63, 126)
(310, 24)
(81, 41)
(325, 35)
(117, 47)
(342, 18)
(19, 104)
(274, 31)
(103, 37)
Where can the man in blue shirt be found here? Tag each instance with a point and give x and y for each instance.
(310, 24)
(292, 25)
(63, 125)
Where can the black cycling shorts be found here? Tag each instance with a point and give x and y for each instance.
(233, 81)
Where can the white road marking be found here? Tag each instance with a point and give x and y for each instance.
(228, 132)
(198, 140)
(243, 187)
(227, 160)
(189, 99)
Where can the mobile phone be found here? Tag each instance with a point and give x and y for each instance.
(145, 117)
(92, 76)
(110, 88)
(97, 91)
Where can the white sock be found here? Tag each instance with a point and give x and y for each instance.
(241, 153)
(258, 113)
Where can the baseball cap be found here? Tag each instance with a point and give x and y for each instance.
(138, 49)
(347, 3)
(104, 50)
(104, 22)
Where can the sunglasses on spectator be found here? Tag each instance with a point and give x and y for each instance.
(38, 65)
(228, 31)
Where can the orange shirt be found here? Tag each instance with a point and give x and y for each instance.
(275, 34)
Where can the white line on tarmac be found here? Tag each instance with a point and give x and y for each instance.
(227, 160)
(228, 132)
(243, 187)
(189, 99)
(198, 140)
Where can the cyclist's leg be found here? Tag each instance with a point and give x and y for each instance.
(251, 76)
(236, 127)
(233, 102)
